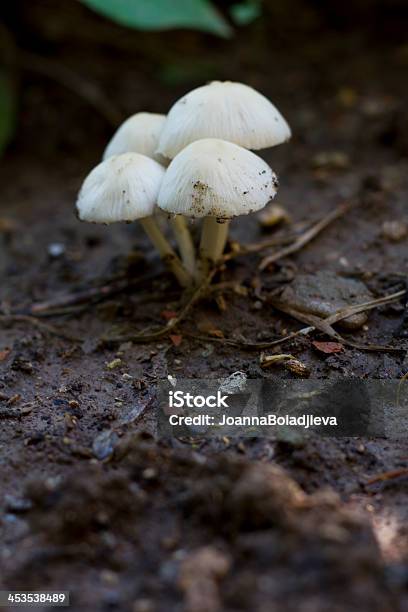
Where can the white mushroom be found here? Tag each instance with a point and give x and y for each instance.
(125, 188)
(140, 134)
(231, 111)
(217, 180)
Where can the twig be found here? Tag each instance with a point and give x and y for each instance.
(163, 331)
(403, 379)
(252, 346)
(91, 295)
(14, 318)
(80, 86)
(307, 236)
(388, 475)
(256, 247)
(350, 310)
(325, 324)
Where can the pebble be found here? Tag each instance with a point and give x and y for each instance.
(17, 504)
(324, 293)
(56, 249)
(395, 231)
(273, 215)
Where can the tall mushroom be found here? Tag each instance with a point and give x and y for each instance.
(218, 180)
(125, 188)
(140, 134)
(231, 111)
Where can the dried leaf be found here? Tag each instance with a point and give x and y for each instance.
(4, 354)
(328, 347)
(176, 339)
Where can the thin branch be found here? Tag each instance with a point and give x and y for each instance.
(251, 346)
(307, 236)
(392, 474)
(172, 324)
(256, 247)
(325, 324)
(350, 310)
(86, 296)
(50, 329)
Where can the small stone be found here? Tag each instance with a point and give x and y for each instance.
(109, 578)
(272, 215)
(17, 504)
(331, 160)
(235, 383)
(56, 249)
(149, 473)
(325, 293)
(104, 444)
(395, 231)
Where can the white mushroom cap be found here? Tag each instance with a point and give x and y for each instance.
(212, 177)
(138, 134)
(121, 188)
(231, 111)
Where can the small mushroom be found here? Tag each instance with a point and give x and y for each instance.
(125, 188)
(140, 134)
(217, 180)
(227, 110)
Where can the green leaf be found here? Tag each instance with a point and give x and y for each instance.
(163, 14)
(245, 12)
(7, 111)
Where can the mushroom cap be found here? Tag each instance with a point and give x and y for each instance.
(121, 188)
(231, 111)
(216, 178)
(138, 134)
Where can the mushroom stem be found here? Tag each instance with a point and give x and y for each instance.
(167, 254)
(184, 241)
(214, 235)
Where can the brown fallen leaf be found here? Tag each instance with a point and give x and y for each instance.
(4, 354)
(328, 347)
(176, 339)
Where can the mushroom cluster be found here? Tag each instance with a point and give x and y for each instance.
(196, 162)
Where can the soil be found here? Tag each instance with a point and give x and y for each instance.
(93, 505)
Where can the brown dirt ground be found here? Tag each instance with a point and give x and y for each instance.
(170, 525)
